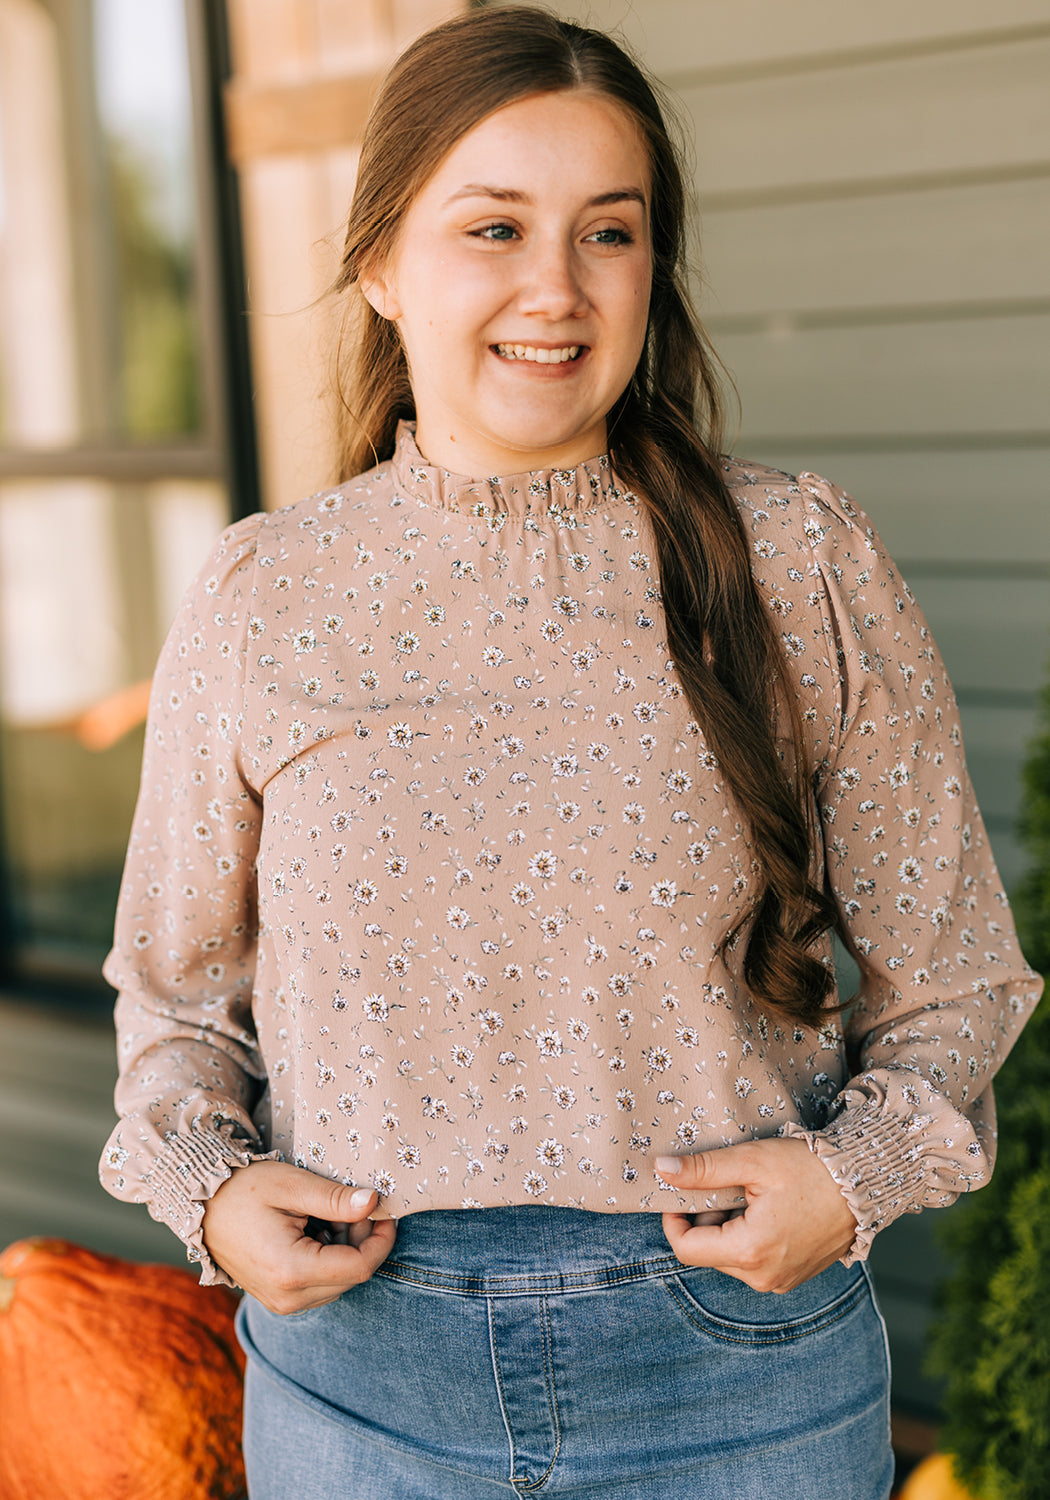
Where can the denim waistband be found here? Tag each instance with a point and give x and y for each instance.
(527, 1248)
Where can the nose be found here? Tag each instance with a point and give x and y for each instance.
(552, 286)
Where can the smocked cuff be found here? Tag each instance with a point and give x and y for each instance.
(878, 1163)
(184, 1176)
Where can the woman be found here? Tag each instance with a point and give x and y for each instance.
(492, 836)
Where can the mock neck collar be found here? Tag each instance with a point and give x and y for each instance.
(560, 495)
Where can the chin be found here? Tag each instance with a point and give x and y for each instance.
(540, 441)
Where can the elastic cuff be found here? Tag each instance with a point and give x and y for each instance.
(184, 1176)
(877, 1163)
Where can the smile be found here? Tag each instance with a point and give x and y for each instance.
(538, 356)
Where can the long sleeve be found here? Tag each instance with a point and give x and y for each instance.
(417, 969)
(945, 989)
(184, 949)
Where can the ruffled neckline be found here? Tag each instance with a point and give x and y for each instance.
(561, 495)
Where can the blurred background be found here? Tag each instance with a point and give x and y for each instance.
(873, 187)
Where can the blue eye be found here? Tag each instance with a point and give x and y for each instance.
(613, 237)
(498, 232)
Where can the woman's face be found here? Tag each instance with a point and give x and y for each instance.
(520, 285)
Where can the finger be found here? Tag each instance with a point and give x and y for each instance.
(717, 1246)
(313, 1266)
(375, 1249)
(715, 1215)
(303, 1192)
(359, 1232)
(333, 1234)
(368, 1249)
(726, 1167)
(318, 1230)
(303, 1273)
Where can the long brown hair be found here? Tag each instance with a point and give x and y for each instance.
(665, 436)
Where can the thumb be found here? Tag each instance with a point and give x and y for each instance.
(321, 1198)
(725, 1167)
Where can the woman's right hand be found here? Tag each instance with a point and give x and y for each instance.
(260, 1227)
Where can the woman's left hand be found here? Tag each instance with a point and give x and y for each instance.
(795, 1225)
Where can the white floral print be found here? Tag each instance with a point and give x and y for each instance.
(385, 893)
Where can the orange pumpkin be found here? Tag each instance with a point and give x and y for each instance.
(934, 1479)
(117, 1381)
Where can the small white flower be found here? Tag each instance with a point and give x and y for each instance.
(551, 1152)
(663, 893)
(549, 1043)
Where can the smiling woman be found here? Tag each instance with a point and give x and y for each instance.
(499, 806)
(520, 293)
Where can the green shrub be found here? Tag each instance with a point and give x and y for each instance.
(992, 1338)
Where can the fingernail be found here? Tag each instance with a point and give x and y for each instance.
(670, 1166)
(360, 1198)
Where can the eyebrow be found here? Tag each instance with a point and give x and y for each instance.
(514, 195)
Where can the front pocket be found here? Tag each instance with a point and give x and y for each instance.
(729, 1310)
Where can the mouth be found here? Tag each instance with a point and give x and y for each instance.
(564, 354)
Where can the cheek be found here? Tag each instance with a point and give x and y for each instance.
(634, 296)
(456, 299)
(636, 319)
(481, 283)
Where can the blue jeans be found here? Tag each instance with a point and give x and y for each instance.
(556, 1352)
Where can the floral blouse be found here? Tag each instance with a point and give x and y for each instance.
(431, 864)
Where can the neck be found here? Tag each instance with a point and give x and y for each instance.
(475, 454)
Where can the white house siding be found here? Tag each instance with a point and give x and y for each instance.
(874, 210)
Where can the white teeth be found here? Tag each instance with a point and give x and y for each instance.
(538, 356)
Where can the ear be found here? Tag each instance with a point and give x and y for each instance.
(379, 292)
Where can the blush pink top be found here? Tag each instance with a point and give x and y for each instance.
(431, 863)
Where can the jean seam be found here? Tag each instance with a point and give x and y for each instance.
(494, 1351)
(869, 1282)
(787, 1333)
(552, 1397)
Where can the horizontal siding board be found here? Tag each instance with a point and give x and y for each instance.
(996, 741)
(993, 633)
(951, 245)
(992, 507)
(87, 1104)
(41, 1106)
(988, 376)
(56, 1111)
(1011, 857)
(674, 35)
(74, 1043)
(962, 110)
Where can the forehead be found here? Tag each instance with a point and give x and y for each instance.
(570, 140)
